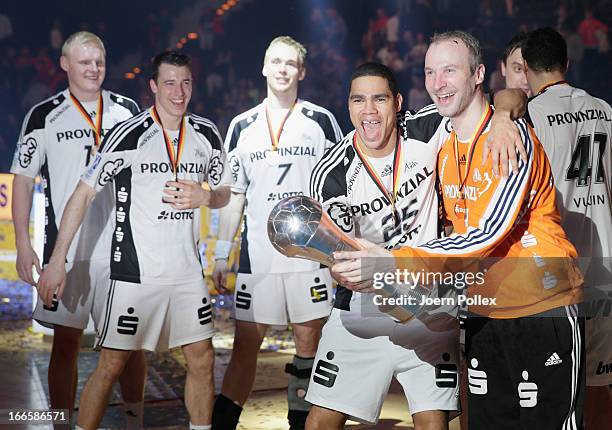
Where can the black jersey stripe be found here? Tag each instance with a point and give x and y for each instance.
(203, 120)
(334, 156)
(37, 117)
(116, 136)
(209, 130)
(427, 110)
(124, 101)
(324, 119)
(237, 126)
(50, 224)
(244, 260)
(124, 258)
(421, 126)
(107, 314)
(329, 160)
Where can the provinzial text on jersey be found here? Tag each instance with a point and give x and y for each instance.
(165, 168)
(404, 190)
(580, 116)
(76, 134)
(288, 150)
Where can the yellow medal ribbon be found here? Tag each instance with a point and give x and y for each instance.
(97, 127)
(174, 157)
(550, 84)
(461, 205)
(397, 160)
(275, 136)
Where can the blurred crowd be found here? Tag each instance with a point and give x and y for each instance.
(395, 32)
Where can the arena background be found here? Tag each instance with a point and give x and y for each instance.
(227, 40)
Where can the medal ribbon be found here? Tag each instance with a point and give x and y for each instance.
(483, 122)
(550, 84)
(397, 160)
(97, 128)
(275, 136)
(172, 156)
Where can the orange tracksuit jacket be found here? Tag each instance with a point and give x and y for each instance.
(514, 218)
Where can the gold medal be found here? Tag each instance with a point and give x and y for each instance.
(397, 163)
(460, 208)
(173, 155)
(97, 127)
(273, 157)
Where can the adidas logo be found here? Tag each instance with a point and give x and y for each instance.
(553, 360)
(386, 171)
(462, 159)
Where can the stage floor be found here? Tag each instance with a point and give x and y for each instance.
(24, 356)
(23, 363)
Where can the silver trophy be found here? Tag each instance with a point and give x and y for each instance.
(298, 227)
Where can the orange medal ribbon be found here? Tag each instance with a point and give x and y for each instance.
(461, 205)
(275, 136)
(397, 159)
(550, 84)
(97, 127)
(172, 156)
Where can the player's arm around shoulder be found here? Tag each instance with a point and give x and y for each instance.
(497, 206)
(504, 143)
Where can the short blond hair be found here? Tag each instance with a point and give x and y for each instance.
(289, 41)
(82, 38)
(471, 43)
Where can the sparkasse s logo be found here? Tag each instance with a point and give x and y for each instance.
(4, 195)
(171, 215)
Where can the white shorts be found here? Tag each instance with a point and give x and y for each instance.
(277, 298)
(85, 293)
(357, 356)
(599, 351)
(155, 317)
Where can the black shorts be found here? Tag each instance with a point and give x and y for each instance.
(526, 373)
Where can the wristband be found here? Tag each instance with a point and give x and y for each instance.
(223, 249)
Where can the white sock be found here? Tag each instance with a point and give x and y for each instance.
(199, 427)
(79, 428)
(133, 415)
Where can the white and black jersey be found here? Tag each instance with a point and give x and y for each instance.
(55, 142)
(575, 130)
(152, 242)
(308, 132)
(354, 202)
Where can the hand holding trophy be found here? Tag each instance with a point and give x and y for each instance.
(298, 227)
